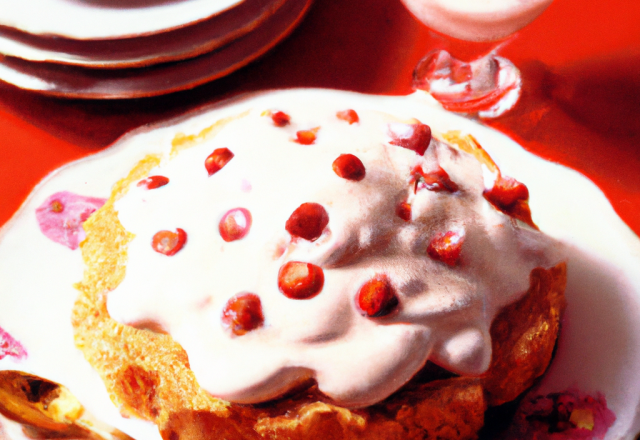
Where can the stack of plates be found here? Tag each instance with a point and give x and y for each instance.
(132, 48)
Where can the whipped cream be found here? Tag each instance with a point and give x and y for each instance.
(442, 312)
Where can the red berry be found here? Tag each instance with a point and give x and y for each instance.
(376, 297)
(349, 167)
(218, 159)
(506, 192)
(403, 210)
(307, 137)
(348, 115)
(446, 247)
(153, 182)
(437, 180)
(297, 280)
(280, 119)
(417, 138)
(242, 313)
(308, 221)
(168, 242)
(235, 224)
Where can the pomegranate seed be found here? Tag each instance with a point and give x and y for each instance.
(416, 137)
(403, 210)
(218, 159)
(242, 313)
(235, 224)
(348, 115)
(168, 242)
(437, 180)
(376, 297)
(307, 137)
(280, 119)
(446, 247)
(297, 280)
(153, 182)
(511, 197)
(349, 167)
(307, 221)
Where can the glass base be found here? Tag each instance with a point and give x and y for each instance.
(487, 87)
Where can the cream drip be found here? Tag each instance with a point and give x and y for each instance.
(444, 313)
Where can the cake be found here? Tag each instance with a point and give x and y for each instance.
(301, 264)
(288, 270)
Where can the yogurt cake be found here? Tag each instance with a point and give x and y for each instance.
(303, 248)
(289, 270)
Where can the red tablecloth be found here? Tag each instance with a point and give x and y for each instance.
(580, 106)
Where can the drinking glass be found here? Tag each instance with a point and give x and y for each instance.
(486, 85)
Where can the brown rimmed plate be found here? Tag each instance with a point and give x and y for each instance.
(79, 82)
(182, 43)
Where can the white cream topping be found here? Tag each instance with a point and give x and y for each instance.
(444, 313)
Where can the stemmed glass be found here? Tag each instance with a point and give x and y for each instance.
(487, 85)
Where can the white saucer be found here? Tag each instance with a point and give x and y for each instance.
(185, 42)
(599, 346)
(78, 82)
(106, 19)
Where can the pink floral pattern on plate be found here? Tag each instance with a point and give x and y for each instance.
(60, 217)
(10, 347)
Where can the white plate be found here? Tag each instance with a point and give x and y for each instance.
(78, 82)
(599, 347)
(185, 42)
(105, 19)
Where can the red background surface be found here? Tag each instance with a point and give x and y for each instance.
(580, 62)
